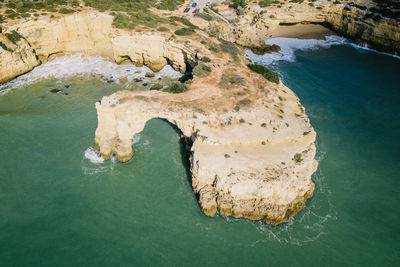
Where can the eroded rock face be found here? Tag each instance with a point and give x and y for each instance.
(252, 153)
(250, 158)
(15, 58)
(89, 33)
(350, 20)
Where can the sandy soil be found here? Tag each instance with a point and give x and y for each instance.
(302, 31)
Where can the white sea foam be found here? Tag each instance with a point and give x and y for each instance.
(366, 48)
(93, 164)
(80, 65)
(91, 155)
(136, 138)
(309, 224)
(290, 45)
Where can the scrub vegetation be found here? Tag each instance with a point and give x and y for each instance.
(201, 70)
(229, 48)
(14, 37)
(133, 19)
(184, 31)
(268, 74)
(176, 88)
(127, 13)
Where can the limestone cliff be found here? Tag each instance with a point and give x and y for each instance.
(353, 20)
(253, 150)
(90, 33)
(255, 162)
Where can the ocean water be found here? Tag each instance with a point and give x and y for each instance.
(61, 205)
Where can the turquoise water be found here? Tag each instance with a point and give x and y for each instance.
(59, 208)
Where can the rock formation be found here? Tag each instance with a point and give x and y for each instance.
(255, 162)
(353, 20)
(90, 33)
(253, 150)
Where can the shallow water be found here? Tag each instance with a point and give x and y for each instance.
(61, 205)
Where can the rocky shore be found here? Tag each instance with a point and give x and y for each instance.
(40, 40)
(253, 148)
(359, 20)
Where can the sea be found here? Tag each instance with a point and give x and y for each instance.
(63, 205)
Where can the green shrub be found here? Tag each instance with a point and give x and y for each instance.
(11, 14)
(213, 49)
(11, 5)
(184, 31)
(244, 102)
(270, 75)
(65, 10)
(236, 4)
(14, 37)
(1, 19)
(201, 70)
(204, 16)
(265, 3)
(297, 158)
(206, 59)
(203, 42)
(163, 29)
(3, 46)
(169, 4)
(119, 5)
(176, 88)
(132, 20)
(183, 21)
(229, 47)
(123, 21)
(241, 103)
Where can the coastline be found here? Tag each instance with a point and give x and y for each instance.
(229, 113)
(302, 31)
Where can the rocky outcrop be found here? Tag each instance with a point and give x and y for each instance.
(16, 58)
(354, 23)
(89, 33)
(352, 20)
(252, 151)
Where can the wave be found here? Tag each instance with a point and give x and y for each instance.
(365, 47)
(93, 164)
(290, 45)
(81, 65)
(91, 155)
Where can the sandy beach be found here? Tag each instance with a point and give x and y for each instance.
(302, 31)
